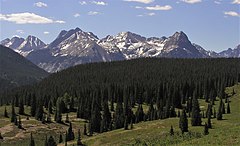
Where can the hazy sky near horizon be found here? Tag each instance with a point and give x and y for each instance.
(213, 24)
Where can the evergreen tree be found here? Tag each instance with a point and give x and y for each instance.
(33, 105)
(90, 131)
(13, 115)
(183, 122)
(51, 141)
(19, 123)
(71, 105)
(85, 130)
(131, 124)
(96, 113)
(126, 124)
(214, 113)
(5, 113)
(32, 142)
(67, 118)
(58, 112)
(70, 134)
(196, 116)
(219, 114)
(209, 124)
(21, 107)
(16, 121)
(43, 119)
(119, 116)
(49, 118)
(223, 108)
(79, 142)
(50, 111)
(139, 114)
(171, 131)
(205, 129)
(228, 108)
(39, 112)
(60, 138)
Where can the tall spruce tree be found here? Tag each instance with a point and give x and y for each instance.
(70, 133)
(85, 130)
(58, 112)
(139, 114)
(219, 114)
(39, 112)
(205, 132)
(21, 107)
(196, 115)
(95, 115)
(183, 122)
(119, 116)
(228, 108)
(5, 112)
(33, 105)
(13, 115)
(19, 123)
(171, 131)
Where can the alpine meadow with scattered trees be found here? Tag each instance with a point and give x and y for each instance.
(120, 94)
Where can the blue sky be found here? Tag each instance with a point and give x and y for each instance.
(213, 24)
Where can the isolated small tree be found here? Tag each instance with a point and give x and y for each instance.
(19, 123)
(228, 108)
(60, 138)
(5, 113)
(16, 121)
(79, 142)
(13, 116)
(183, 122)
(70, 133)
(32, 142)
(205, 132)
(85, 130)
(67, 118)
(196, 116)
(171, 131)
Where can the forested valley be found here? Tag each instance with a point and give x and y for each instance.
(119, 94)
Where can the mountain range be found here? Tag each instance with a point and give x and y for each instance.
(77, 47)
(15, 70)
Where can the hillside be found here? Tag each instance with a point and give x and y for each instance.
(15, 70)
(224, 132)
